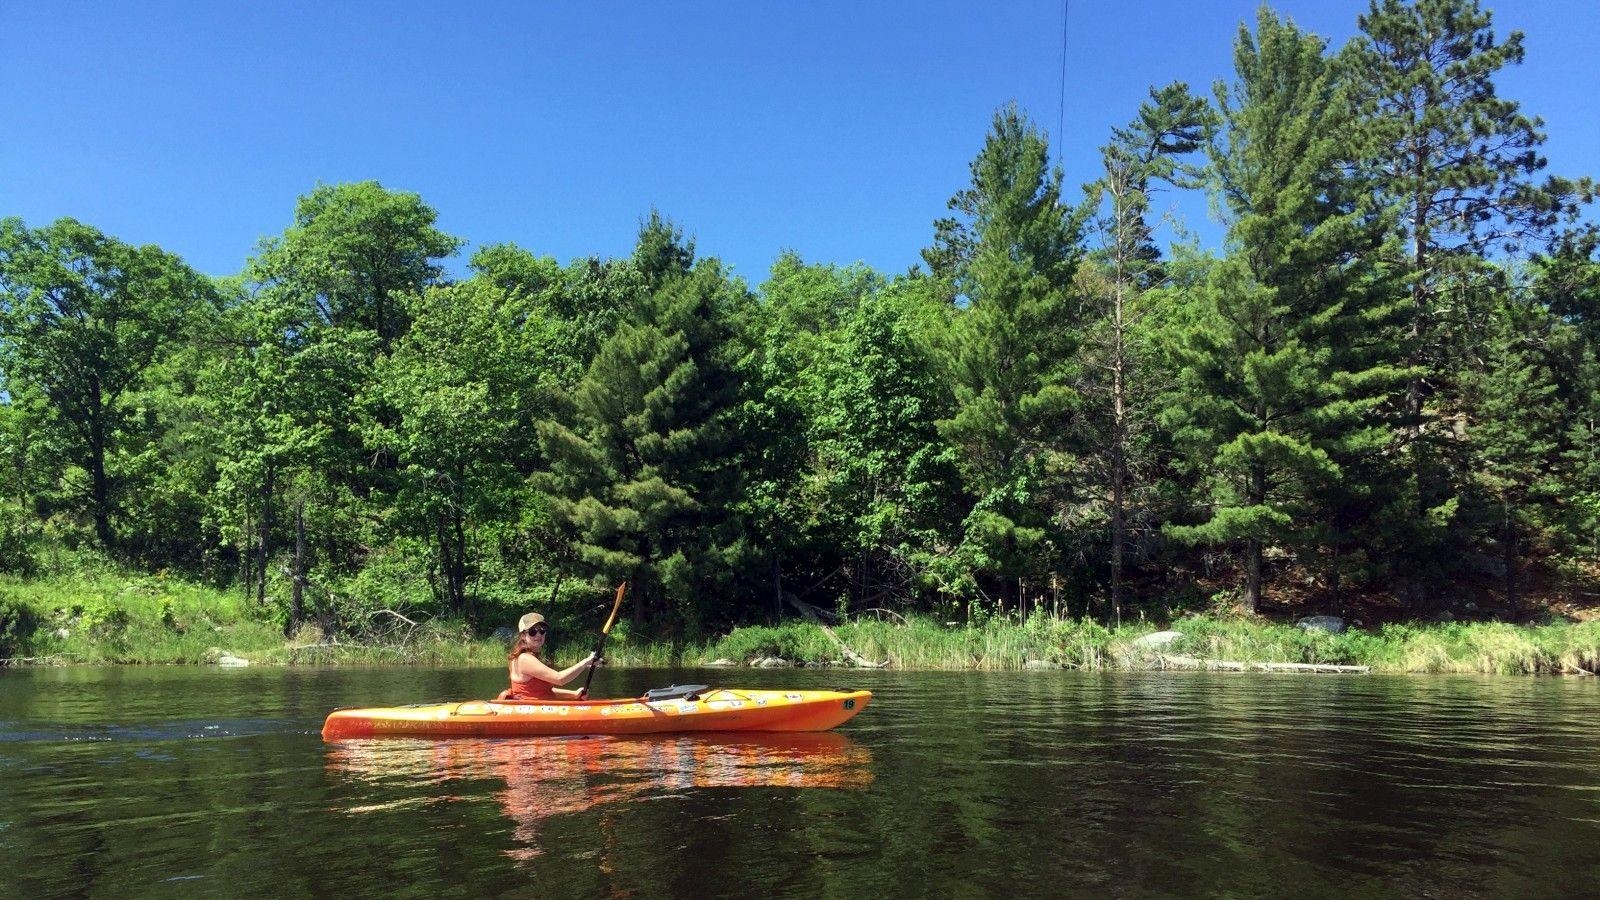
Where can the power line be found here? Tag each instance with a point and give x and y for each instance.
(1061, 107)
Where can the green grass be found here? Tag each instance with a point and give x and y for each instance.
(102, 617)
(1483, 648)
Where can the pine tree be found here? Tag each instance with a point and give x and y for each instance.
(644, 468)
(1009, 258)
(1517, 441)
(1287, 372)
(1461, 164)
(1171, 124)
(1567, 284)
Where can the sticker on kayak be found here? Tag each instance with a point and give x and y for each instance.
(795, 697)
(850, 704)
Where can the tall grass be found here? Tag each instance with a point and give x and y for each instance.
(101, 617)
(1486, 648)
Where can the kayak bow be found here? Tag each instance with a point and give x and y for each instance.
(718, 709)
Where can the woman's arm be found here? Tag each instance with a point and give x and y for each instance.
(528, 664)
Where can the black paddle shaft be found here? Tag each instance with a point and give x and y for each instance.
(601, 644)
(595, 662)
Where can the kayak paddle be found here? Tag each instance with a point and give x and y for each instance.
(602, 644)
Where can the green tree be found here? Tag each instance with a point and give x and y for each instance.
(849, 479)
(1287, 371)
(173, 459)
(282, 392)
(1518, 439)
(1567, 284)
(83, 317)
(661, 252)
(352, 248)
(785, 501)
(459, 385)
(317, 306)
(31, 449)
(876, 444)
(569, 312)
(644, 471)
(1461, 163)
(1009, 256)
(1119, 392)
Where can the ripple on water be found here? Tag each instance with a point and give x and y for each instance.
(976, 784)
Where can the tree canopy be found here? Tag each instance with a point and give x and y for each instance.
(1383, 388)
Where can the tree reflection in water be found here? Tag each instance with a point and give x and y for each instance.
(547, 777)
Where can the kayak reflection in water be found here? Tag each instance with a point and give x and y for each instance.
(547, 777)
(531, 679)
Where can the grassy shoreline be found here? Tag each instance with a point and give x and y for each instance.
(109, 619)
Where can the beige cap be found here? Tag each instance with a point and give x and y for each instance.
(528, 621)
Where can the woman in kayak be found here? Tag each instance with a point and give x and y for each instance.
(531, 679)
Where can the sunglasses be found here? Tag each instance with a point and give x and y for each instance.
(538, 629)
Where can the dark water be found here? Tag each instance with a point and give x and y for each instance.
(188, 782)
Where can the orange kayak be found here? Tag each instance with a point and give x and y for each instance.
(714, 709)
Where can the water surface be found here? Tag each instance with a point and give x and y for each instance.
(203, 782)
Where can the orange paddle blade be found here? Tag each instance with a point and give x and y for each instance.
(621, 588)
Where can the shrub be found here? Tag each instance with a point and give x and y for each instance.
(794, 642)
(17, 625)
(19, 539)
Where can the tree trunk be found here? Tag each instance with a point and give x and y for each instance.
(1118, 450)
(100, 486)
(1336, 584)
(458, 569)
(1257, 496)
(245, 557)
(640, 589)
(1419, 288)
(1509, 549)
(1252, 567)
(265, 538)
(776, 612)
(297, 591)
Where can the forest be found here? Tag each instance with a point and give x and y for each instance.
(1380, 395)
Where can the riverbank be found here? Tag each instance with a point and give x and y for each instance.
(110, 619)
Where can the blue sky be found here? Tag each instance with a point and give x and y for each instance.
(836, 129)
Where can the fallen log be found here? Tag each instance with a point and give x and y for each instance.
(1227, 665)
(810, 613)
